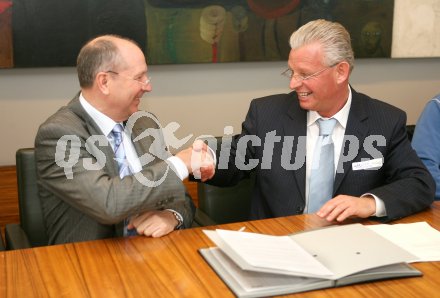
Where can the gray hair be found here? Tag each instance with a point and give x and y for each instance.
(99, 54)
(333, 37)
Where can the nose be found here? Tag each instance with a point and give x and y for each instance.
(295, 83)
(147, 87)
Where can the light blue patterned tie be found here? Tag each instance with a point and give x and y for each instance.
(124, 169)
(120, 157)
(323, 167)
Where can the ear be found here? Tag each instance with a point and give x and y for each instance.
(342, 72)
(102, 82)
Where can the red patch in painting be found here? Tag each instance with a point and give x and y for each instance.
(5, 5)
(272, 9)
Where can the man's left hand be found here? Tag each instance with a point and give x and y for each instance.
(155, 223)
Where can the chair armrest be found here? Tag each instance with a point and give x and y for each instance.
(201, 219)
(16, 237)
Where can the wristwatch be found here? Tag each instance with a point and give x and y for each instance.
(178, 218)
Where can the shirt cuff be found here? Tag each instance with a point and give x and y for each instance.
(179, 167)
(380, 205)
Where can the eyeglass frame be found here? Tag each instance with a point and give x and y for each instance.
(301, 78)
(146, 83)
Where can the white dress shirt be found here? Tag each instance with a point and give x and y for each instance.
(338, 137)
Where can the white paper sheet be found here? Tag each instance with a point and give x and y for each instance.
(418, 238)
(266, 251)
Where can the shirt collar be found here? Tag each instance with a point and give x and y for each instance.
(341, 116)
(104, 122)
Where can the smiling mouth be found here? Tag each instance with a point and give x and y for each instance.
(303, 94)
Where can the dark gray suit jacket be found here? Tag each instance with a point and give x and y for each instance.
(403, 182)
(93, 203)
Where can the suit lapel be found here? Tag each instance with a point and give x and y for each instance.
(295, 124)
(110, 164)
(356, 128)
(141, 144)
(150, 146)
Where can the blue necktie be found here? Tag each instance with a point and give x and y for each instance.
(323, 167)
(120, 157)
(124, 169)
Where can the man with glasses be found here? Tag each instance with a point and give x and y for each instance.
(103, 167)
(363, 166)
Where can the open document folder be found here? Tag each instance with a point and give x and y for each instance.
(255, 264)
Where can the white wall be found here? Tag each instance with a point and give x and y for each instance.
(202, 98)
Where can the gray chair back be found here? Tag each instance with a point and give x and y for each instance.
(31, 214)
(226, 204)
(2, 245)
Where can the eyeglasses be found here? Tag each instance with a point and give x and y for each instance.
(140, 81)
(288, 73)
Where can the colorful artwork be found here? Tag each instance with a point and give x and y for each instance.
(51, 32)
(257, 30)
(5, 34)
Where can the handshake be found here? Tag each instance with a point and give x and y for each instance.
(199, 160)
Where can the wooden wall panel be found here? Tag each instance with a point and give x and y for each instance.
(8, 197)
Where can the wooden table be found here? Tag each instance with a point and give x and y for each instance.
(172, 267)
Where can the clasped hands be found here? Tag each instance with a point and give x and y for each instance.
(198, 160)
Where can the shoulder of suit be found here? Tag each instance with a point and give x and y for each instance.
(63, 115)
(67, 120)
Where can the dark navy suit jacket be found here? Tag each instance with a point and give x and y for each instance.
(403, 182)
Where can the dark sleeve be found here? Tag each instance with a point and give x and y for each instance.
(234, 153)
(408, 186)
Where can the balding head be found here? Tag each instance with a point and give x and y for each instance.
(100, 54)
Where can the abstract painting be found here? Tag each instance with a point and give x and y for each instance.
(45, 33)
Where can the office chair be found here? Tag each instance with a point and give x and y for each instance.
(224, 204)
(218, 205)
(31, 231)
(2, 245)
